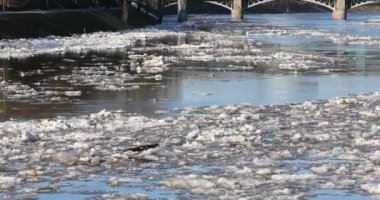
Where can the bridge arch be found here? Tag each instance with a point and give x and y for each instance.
(329, 4)
(171, 4)
(358, 3)
(227, 6)
(338, 7)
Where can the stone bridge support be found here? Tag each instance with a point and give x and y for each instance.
(237, 10)
(340, 10)
(125, 6)
(182, 11)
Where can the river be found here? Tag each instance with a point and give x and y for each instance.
(220, 98)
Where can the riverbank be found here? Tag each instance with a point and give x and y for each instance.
(67, 22)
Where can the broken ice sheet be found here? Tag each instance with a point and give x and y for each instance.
(194, 141)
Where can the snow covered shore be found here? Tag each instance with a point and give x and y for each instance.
(225, 152)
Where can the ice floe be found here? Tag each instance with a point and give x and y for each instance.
(206, 151)
(76, 43)
(116, 77)
(371, 188)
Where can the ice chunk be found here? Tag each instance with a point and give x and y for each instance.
(371, 188)
(8, 181)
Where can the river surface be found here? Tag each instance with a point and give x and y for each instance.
(161, 70)
(315, 66)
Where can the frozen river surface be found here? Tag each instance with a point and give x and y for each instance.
(275, 107)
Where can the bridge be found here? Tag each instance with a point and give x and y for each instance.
(338, 8)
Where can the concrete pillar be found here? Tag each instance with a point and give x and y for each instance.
(125, 5)
(340, 10)
(182, 11)
(237, 10)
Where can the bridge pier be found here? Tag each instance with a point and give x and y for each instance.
(237, 10)
(182, 11)
(125, 6)
(340, 10)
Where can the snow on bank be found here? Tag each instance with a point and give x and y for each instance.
(273, 152)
